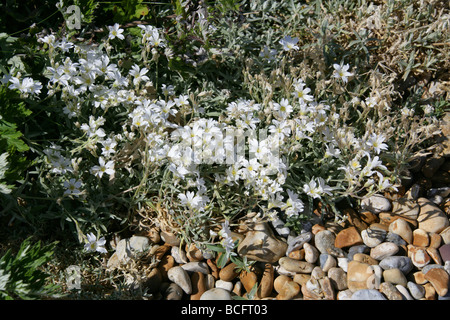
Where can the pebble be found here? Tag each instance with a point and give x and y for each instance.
(357, 275)
(338, 278)
(401, 262)
(390, 291)
(285, 287)
(395, 238)
(227, 285)
(302, 278)
(376, 204)
(248, 279)
(262, 245)
(348, 237)
(362, 257)
(324, 241)
(373, 237)
(266, 286)
(431, 266)
(406, 208)
(374, 281)
(395, 276)
(193, 253)
(420, 238)
(198, 282)
(431, 218)
(368, 294)
(295, 243)
(216, 294)
(311, 253)
(402, 228)
(196, 266)
(343, 263)
(404, 292)
(180, 276)
(445, 235)
(439, 279)
(295, 265)
(357, 249)
(419, 257)
(229, 272)
(444, 251)
(173, 292)
(327, 261)
(345, 295)
(179, 255)
(383, 250)
(170, 238)
(165, 264)
(417, 291)
(434, 255)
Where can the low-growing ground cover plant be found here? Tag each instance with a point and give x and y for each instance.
(194, 119)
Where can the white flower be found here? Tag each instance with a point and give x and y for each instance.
(115, 32)
(268, 54)
(192, 201)
(28, 85)
(331, 151)
(138, 74)
(94, 245)
(72, 187)
(227, 240)
(341, 72)
(289, 43)
(293, 204)
(316, 188)
(283, 108)
(371, 102)
(377, 142)
(103, 167)
(301, 92)
(167, 90)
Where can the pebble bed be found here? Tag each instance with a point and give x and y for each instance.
(393, 247)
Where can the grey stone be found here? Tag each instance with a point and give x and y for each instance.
(383, 250)
(327, 261)
(324, 241)
(400, 262)
(428, 267)
(362, 248)
(376, 204)
(216, 294)
(417, 291)
(173, 292)
(179, 255)
(368, 294)
(338, 278)
(395, 238)
(295, 243)
(180, 276)
(196, 266)
(404, 292)
(227, 285)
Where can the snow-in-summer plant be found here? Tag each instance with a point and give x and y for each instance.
(191, 156)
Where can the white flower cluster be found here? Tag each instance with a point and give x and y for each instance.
(249, 145)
